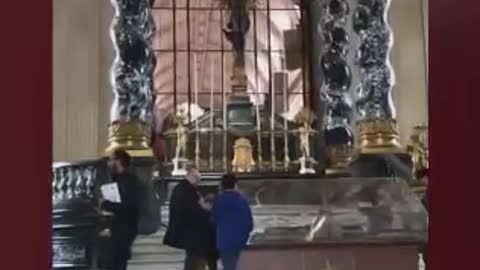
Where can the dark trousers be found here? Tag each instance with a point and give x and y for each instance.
(195, 261)
(121, 248)
(119, 264)
(230, 259)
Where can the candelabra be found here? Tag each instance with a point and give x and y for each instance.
(336, 86)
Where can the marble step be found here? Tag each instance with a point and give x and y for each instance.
(154, 249)
(163, 266)
(156, 258)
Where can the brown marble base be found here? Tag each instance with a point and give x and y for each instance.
(332, 258)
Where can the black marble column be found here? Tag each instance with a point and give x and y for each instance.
(380, 151)
(377, 127)
(132, 31)
(336, 85)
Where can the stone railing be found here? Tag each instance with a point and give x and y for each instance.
(75, 220)
(73, 182)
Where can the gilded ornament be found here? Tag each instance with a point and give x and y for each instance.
(417, 148)
(133, 136)
(378, 136)
(243, 156)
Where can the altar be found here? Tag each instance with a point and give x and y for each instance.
(331, 223)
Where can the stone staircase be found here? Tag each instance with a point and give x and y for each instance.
(149, 253)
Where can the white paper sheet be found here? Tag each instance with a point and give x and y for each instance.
(111, 193)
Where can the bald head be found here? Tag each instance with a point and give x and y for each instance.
(193, 177)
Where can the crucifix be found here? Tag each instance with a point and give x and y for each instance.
(235, 31)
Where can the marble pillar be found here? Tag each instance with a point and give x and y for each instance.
(131, 76)
(337, 76)
(376, 125)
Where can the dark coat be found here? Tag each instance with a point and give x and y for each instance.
(124, 226)
(188, 225)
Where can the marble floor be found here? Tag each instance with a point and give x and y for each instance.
(150, 254)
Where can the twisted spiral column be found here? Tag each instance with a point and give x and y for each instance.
(337, 81)
(377, 126)
(131, 76)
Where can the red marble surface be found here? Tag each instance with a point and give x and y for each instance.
(342, 258)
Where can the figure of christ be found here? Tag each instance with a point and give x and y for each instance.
(235, 32)
(238, 25)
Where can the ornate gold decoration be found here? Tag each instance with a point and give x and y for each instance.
(378, 136)
(417, 148)
(243, 156)
(133, 136)
(339, 158)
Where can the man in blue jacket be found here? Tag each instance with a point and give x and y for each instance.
(233, 220)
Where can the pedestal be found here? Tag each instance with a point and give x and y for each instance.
(179, 166)
(240, 115)
(306, 166)
(379, 165)
(133, 136)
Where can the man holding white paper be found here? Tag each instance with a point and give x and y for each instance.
(122, 198)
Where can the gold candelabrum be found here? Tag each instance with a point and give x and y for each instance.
(134, 136)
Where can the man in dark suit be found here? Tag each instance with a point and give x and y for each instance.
(189, 227)
(124, 226)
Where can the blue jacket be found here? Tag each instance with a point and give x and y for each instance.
(233, 220)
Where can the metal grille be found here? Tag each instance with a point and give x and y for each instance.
(194, 67)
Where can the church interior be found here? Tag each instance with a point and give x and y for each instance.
(319, 107)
